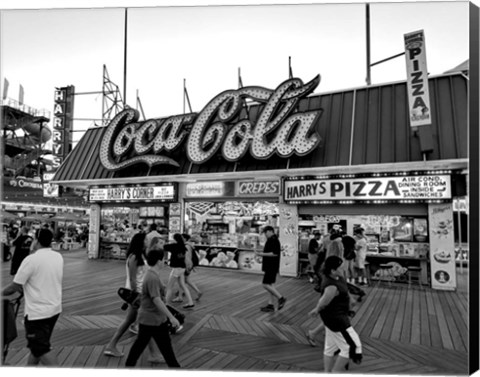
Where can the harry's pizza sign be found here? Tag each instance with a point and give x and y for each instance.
(418, 187)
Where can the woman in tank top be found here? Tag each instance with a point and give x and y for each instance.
(135, 271)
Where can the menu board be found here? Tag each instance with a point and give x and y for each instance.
(442, 246)
(93, 236)
(152, 211)
(288, 224)
(403, 232)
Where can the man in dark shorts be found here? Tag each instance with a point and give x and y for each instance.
(271, 266)
(40, 278)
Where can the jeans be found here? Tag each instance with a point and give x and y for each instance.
(161, 336)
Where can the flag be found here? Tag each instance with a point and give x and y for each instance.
(240, 83)
(5, 88)
(185, 97)
(20, 95)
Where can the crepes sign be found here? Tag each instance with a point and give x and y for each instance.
(396, 188)
(279, 129)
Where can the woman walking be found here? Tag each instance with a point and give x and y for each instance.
(334, 307)
(178, 251)
(191, 261)
(135, 270)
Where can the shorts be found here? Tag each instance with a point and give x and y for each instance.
(269, 277)
(38, 333)
(335, 341)
(177, 272)
(360, 260)
(312, 259)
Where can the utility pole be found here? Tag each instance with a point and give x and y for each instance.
(125, 62)
(367, 19)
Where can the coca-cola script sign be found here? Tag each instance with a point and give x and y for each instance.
(277, 130)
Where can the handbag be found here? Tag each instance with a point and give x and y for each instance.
(180, 317)
(129, 297)
(9, 325)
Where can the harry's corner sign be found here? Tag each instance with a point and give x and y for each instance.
(277, 130)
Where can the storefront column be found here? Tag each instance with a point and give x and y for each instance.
(94, 232)
(288, 234)
(442, 247)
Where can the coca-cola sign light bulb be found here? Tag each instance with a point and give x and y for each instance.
(278, 129)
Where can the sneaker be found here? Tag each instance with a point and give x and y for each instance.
(269, 308)
(133, 329)
(310, 339)
(281, 302)
(113, 352)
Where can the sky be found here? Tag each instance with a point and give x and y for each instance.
(41, 49)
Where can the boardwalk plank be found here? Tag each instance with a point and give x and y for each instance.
(384, 313)
(416, 329)
(424, 325)
(83, 356)
(407, 320)
(442, 323)
(398, 322)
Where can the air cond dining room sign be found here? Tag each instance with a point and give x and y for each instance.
(395, 188)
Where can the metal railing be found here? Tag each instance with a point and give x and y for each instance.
(25, 108)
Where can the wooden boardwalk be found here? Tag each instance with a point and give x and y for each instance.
(403, 331)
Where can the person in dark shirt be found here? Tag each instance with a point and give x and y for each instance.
(349, 248)
(153, 315)
(178, 251)
(21, 249)
(313, 250)
(271, 266)
(334, 307)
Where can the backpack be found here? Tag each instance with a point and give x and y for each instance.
(194, 256)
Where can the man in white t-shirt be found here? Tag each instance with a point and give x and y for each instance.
(40, 279)
(151, 235)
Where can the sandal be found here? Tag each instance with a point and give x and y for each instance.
(310, 340)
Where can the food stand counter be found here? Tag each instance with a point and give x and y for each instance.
(113, 249)
(376, 259)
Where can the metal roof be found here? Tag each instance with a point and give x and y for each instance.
(360, 126)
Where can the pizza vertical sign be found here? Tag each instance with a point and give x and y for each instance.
(417, 79)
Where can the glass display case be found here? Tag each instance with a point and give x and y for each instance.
(224, 231)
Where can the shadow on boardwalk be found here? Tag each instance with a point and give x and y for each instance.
(404, 331)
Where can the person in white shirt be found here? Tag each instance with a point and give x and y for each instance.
(40, 278)
(151, 235)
